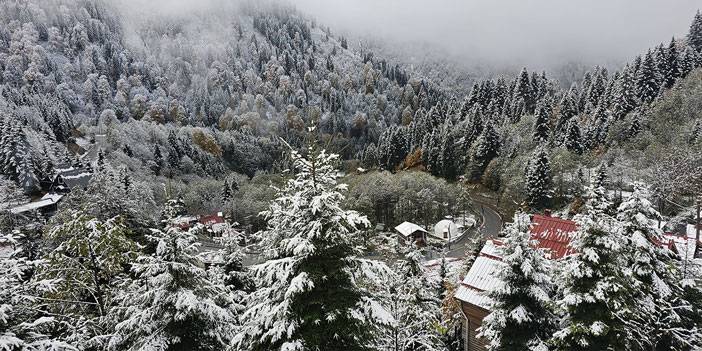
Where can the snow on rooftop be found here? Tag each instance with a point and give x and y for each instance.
(52, 196)
(445, 226)
(481, 277)
(46, 200)
(407, 228)
(76, 176)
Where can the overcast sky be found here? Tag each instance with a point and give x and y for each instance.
(530, 32)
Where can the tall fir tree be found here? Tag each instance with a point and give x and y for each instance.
(647, 79)
(593, 285)
(694, 36)
(539, 186)
(601, 176)
(158, 161)
(520, 309)
(568, 109)
(573, 138)
(226, 191)
(411, 300)
(624, 99)
(541, 129)
(523, 90)
(672, 64)
(312, 279)
(655, 321)
(24, 324)
(486, 148)
(172, 304)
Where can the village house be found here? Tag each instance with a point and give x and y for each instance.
(70, 178)
(65, 179)
(552, 235)
(47, 205)
(411, 232)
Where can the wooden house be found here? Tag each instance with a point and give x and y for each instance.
(551, 233)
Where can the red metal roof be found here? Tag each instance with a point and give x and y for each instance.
(211, 219)
(553, 234)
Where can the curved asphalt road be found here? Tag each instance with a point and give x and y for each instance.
(491, 226)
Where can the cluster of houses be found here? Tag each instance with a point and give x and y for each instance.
(65, 179)
(553, 235)
(214, 223)
(445, 230)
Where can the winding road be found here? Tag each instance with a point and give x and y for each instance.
(491, 226)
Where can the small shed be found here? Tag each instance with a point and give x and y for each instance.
(410, 231)
(446, 230)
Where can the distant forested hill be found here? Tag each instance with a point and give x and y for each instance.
(180, 99)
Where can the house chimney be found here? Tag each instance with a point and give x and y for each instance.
(547, 212)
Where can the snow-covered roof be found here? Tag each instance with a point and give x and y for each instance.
(61, 168)
(52, 196)
(76, 178)
(408, 228)
(482, 276)
(445, 225)
(433, 267)
(47, 200)
(552, 234)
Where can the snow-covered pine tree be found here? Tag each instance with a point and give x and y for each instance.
(541, 128)
(584, 89)
(654, 321)
(226, 191)
(26, 174)
(521, 316)
(172, 304)
(487, 147)
(232, 273)
(689, 60)
(599, 127)
(573, 139)
(647, 79)
(10, 194)
(22, 324)
(100, 163)
(158, 161)
(446, 157)
(523, 90)
(635, 126)
(598, 86)
(600, 177)
(539, 184)
(672, 64)
(694, 36)
(593, 284)
(88, 261)
(568, 109)
(624, 100)
(174, 208)
(309, 293)
(412, 302)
